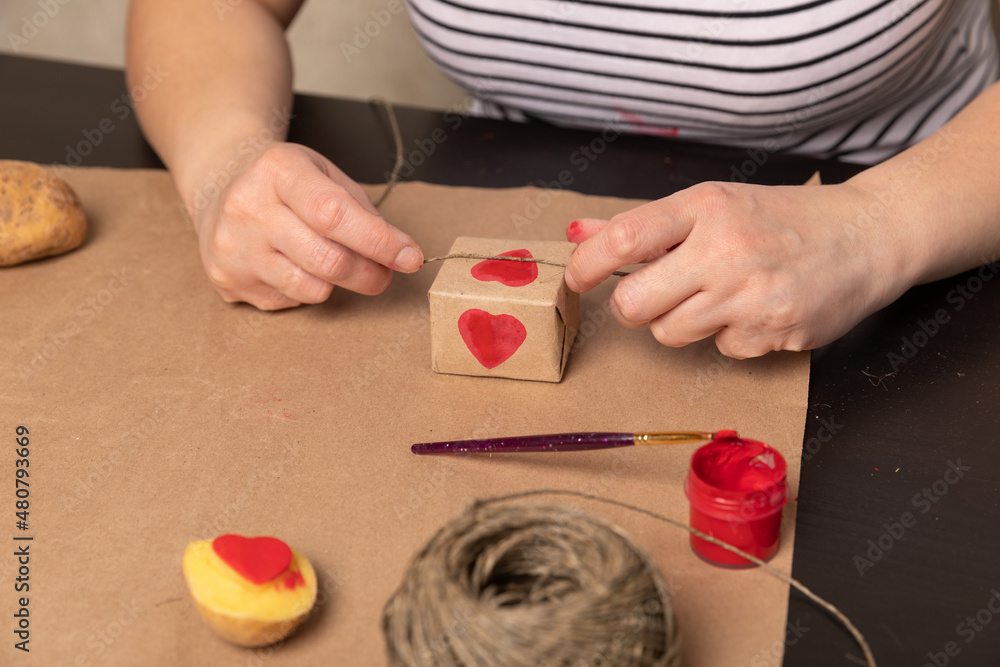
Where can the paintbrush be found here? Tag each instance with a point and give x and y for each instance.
(567, 442)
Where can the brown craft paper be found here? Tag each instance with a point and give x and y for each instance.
(547, 311)
(160, 414)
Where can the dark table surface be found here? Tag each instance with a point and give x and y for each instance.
(899, 502)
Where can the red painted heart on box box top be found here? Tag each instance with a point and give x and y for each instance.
(256, 559)
(492, 339)
(512, 274)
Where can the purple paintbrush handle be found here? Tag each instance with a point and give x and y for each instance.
(558, 442)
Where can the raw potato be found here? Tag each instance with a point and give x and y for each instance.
(39, 214)
(248, 632)
(240, 611)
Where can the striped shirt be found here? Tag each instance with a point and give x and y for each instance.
(858, 80)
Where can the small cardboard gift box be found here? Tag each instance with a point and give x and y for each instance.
(502, 318)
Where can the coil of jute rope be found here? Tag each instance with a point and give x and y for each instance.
(536, 584)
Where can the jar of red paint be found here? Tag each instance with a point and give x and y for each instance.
(736, 488)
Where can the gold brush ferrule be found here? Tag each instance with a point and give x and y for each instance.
(670, 437)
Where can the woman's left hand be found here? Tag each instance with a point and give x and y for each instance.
(761, 267)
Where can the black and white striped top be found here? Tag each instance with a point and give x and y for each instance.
(854, 79)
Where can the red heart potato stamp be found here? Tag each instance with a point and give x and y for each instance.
(512, 274)
(256, 559)
(492, 339)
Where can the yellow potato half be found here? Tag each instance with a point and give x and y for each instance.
(39, 214)
(241, 611)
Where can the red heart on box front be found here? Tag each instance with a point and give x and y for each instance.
(256, 559)
(492, 339)
(512, 274)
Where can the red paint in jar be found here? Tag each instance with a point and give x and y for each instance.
(736, 488)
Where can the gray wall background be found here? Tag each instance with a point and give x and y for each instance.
(391, 65)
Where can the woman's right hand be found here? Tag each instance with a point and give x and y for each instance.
(289, 226)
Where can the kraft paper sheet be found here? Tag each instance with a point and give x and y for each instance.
(160, 414)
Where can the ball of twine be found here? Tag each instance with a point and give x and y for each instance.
(531, 584)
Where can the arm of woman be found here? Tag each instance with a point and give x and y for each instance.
(795, 267)
(278, 223)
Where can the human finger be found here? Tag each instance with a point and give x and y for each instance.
(643, 233)
(658, 287)
(582, 229)
(333, 212)
(329, 261)
(694, 319)
(275, 270)
(259, 295)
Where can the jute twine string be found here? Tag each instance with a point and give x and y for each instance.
(530, 584)
(533, 260)
(397, 137)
